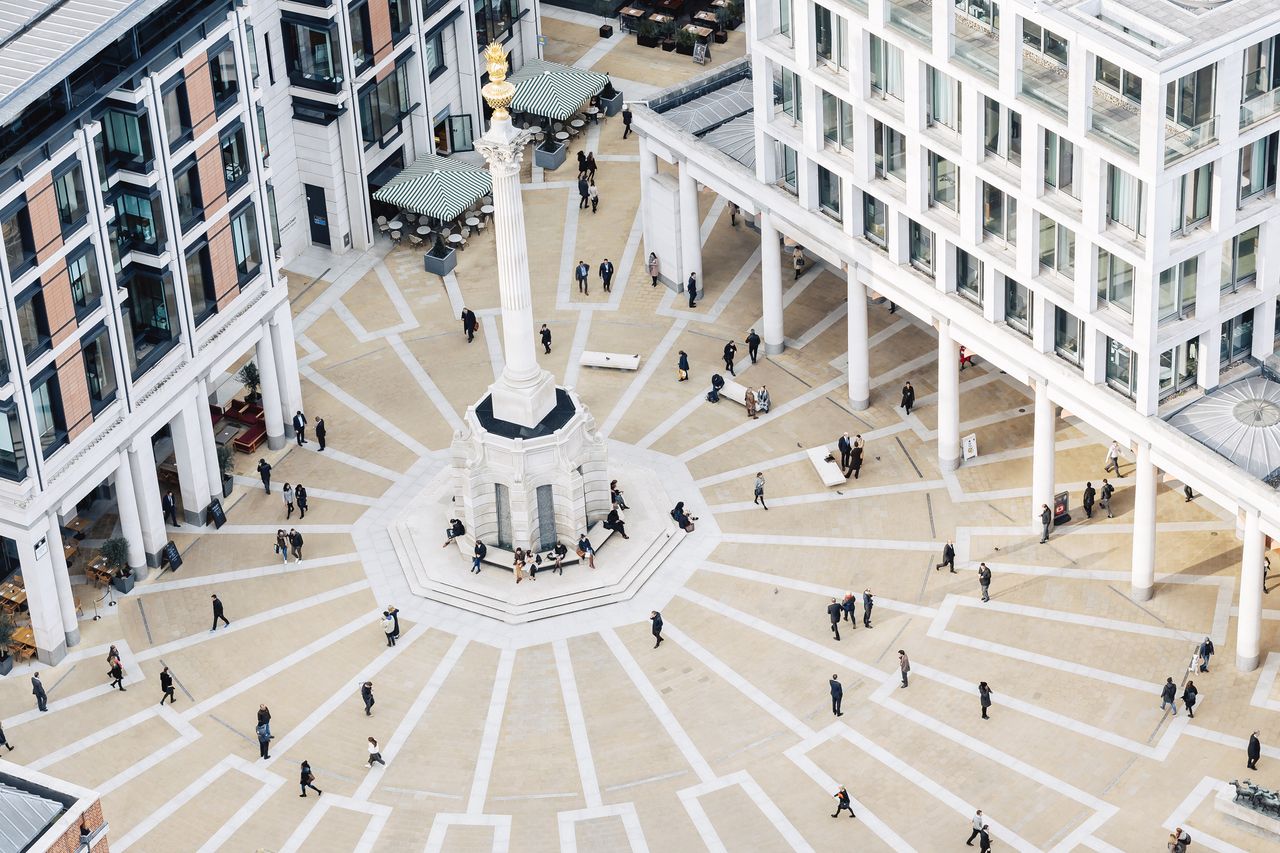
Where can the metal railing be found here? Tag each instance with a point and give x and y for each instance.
(1259, 107)
(1188, 140)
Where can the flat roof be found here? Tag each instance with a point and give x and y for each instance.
(1165, 28)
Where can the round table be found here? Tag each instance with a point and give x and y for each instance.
(533, 128)
(578, 123)
(424, 230)
(487, 209)
(455, 238)
(397, 225)
(471, 221)
(562, 136)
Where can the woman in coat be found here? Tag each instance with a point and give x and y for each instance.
(750, 400)
(908, 397)
(984, 697)
(762, 400)
(306, 779)
(797, 260)
(615, 523)
(282, 545)
(653, 267)
(288, 501)
(1189, 694)
(518, 565)
(682, 366)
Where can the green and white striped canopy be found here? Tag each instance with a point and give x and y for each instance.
(553, 90)
(440, 187)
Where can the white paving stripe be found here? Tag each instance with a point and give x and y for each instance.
(821, 590)
(748, 426)
(625, 812)
(1205, 789)
(488, 751)
(647, 369)
(577, 725)
(429, 387)
(377, 813)
(373, 418)
(581, 330)
(312, 492)
(342, 456)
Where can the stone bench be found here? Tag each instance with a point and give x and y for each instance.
(735, 392)
(617, 361)
(503, 558)
(829, 471)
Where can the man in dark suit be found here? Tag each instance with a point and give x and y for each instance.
(1046, 521)
(1105, 497)
(855, 459)
(656, 618)
(580, 272)
(42, 699)
(264, 471)
(948, 557)
(320, 433)
(846, 453)
(170, 508)
(366, 693)
(837, 694)
(545, 334)
(867, 604)
(730, 350)
(217, 614)
(478, 555)
(753, 345)
(1255, 749)
(469, 324)
(833, 610)
(692, 288)
(908, 397)
(166, 687)
(606, 275)
(300, 427)
(1089, 494)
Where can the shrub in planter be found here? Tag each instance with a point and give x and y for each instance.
(685, 41)
(647, 34)
(115, 553)
(252, 381)
(224, 469)
(6, 634)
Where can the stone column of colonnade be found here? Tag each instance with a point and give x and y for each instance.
(1042, 467)
(948, 399)
(859, 347)
(690, 226)
(771, 283)
(1249, 619)
(1142, 585)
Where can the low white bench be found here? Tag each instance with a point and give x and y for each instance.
(615, 360)
(735, 392)
(829, 472)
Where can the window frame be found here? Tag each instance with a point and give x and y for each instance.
(88, 254)
(1178, 279)
(921, 248)
(969, 268)
(1112, 280)
(177, 88)
(189, 170)
(244, 275)
(95, 338)
(1062, 321)
(1055, 165)
(224, 100)
(1232, 281)
(33, 297)
(20, 212)
(936, 178)
(1063, 240)
(873, 211)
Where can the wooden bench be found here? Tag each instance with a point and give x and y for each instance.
(828, 471)
(248, 441)
(618, 361)
(735, 392)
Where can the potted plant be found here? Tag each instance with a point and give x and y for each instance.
(647, 34)
(610, 99)
(669, 38)
(115, 553)
(224, 469)
(736, 14)
(252, 382)
(441, 259)
(723, 17)
(6, 634)
(685, 41)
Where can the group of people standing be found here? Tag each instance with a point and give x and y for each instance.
(587, 192)
(851, 454)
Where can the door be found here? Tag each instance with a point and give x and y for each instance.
(460, 133)
(546, 519)
(503, 498)
(317, 215)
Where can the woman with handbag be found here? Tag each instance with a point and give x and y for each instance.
(682, 518)
(306, 779)
(586, 551)
(518, 565)
(682, 367)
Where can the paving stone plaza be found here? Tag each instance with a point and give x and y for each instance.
(574, 732)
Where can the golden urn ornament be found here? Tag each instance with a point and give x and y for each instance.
(497, 92)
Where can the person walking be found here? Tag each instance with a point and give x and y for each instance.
(867, 603)
(626, 121)
(1046, 521)
(978, 822)
(582, 165)
(584, 190)
(753, 344)
(842, 802)
(218, 614)
(837, 694)
(984, 839)
(682, 367)
(908, 397)
(1113, 458)
(366, 693)
(760, 490)
(845, 445)
(849, 606)
(1104, 497)
(984, 580)
(375, 756)
(656, 618)
(1090, 493)
(307, 779)
(594, 195)
(477, 556)
(615, 522)
(1188, 494)
(4, 741)
(287, 494)
(170, 505)
(389, 628)
(1189, 694)
(300, 427)
(282, 545)
(1254, 750)
(1206, 652)
(984, 698)
(904, 666)
(948, 557)
(749, 400)
(591, 166)
(855, 458)
(545, 334)
(469, 324)
(654, 268)
(833, 611)
(320, 433)
(166, 687)
(295, 544)
(37, 690)
(1168, 695)
(580, 272)
(395, 619)
(606, 275)
(264, 740)
(264, 471)
(300, 494)
(117, 675)
(692, 287)
(797, 260)
(730, 351)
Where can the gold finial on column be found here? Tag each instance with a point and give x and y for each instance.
(497, 92)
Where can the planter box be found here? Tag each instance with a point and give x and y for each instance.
(669, 46)
(227, 485)
(647, 41)
(440, 265)
(612, 106)
(721, 36)
(683, 50)
(606, 31)
(549, 158)
(123, 585)
(6, 665)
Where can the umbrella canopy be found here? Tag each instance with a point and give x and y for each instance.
(553, 90)
(439, 187)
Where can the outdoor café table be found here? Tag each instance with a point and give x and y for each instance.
(659, 18)
(708, 17)
(562, 136)
(23, 641)
(578, 123)
(397, 225)
(472, 221)
(424, 230)
(455, 238)
(487, 209)
(701, 32)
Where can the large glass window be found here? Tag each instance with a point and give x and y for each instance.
(19, 245)
(829, 192)
(1122, 368)
(786, 165)
(786, 93)
(1258, 167)
(1001, 131)
(1121, 82)
(224, 77)
(1115, 281)
(1126, 201)
(309, 55)
(968, 276)
(1189, 100)
(494, 18)
(1059, 164)
(1045, 42)
(1192, 196)
(251, 50)
(1240, 261)
(99, 372)
(1178, 290)
(999, 214)
(920, 248)
(33, 323)
(1236, 341)
(139, 223)
(68, 192)
(1068, 336)
(51, 425)
(384, 105)
(235, 159)
(433, 54)
(837, 121)
(244, 238)
(177, 115)
(1057, 248)
(890, 152)
(13, 450)
(1018, 308)
(82, 272)
(943, 99)
(944, 182)
(128, 140)
(148, 320)
(829, 36)
(886, 68)
(401, 18)
(1178, 367)
(784, 17)
(204, 300)
(361, 37)
(875, 220)
(186, 187)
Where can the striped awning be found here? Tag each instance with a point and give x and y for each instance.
(439, 187)
(553, 90)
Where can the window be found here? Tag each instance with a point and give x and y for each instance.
(13, 451)
(139, 223)
(1126, 201)
(263, 147)
(1115, 281)
(1261, 68)
(784, 17)
(1189, 100)
(837, 121)
(874, 215)
(999, 214)
(19, 246)
(51, 426)
(186, 187)
(128, 140)
(82, 272)
(1192, 195)
(829, 192)
(786, 93)
(1122, 368)
(829, 36)
(271, 66)
(1178, 290)
(309, 56)
(68, 192)
(785, 163)
(987, 11)
(920, 248)
(177, 115)
(1059, 164)
(204, 300)
(969, 276)
(273, 218)
(33, 323)
(361, 37)
(244, 237)
(383, 105)
(224, 77)
(1018, 310)
(886, 68)
(4, 362)
(147, 322)
(99, 372)
(1240, 261)
(944, 181)
(943, 100)
(401, 18)
(1057, 248)
(1258, 167)
(235, 159)
(1178, 367)
(494, 19)
(1068, 336)
(1044, 42)
(890, 151)
(253, 54)
(1237, 339)
(1121, 82)
(434, 55)
(1001, 131)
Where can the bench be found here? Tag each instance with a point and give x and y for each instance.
(829, 472)
(735, 392)
(248, 441)
(615, 360)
